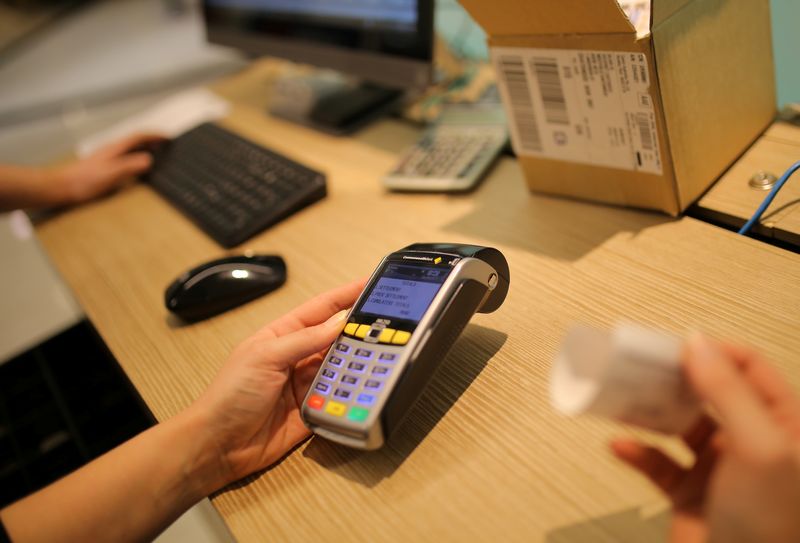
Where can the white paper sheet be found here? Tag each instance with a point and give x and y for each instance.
(632, 375)
(170, 117)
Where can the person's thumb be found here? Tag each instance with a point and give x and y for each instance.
(292, 348)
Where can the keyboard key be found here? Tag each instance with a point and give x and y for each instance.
(358, 414)
(380, 371)
(335, 408)
(342, 393)
(329, 374)
(388, 357)
(335, 361)
(386, 335)
(372, 384)
(401, 337)
(363, 353)
(356, 366)
(322, 388)
(365, 399)
(315, 402)
(349, 380)
(342, 347)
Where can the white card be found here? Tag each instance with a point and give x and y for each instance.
(633, 375)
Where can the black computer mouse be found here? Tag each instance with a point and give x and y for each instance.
(222, 284)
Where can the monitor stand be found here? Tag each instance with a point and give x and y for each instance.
(331, 103)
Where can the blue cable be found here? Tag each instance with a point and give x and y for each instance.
(768, 200)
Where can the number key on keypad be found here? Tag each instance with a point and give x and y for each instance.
(335, 361)
(342, 347)
(381, 371)
(322, 388)
(349, 380)
(363, 353)
(388, 357)
(373, 384)
(329, 374)
(357, 366)
(342, 393)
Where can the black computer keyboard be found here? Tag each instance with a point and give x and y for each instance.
(230, 187)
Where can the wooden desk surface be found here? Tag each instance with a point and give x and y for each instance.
(482, 455)
(732, 201)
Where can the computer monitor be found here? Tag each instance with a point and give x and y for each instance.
(388, 44)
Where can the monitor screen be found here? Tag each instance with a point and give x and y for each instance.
(387, 42)
(393, 14)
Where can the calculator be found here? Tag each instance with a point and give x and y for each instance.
(454, 154)
(410, 313)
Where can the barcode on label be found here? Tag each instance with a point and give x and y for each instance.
(643, 120)
(519, 94)
(555, 105)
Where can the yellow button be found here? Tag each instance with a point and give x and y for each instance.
(335, 408)
(362, 330)
(350, 328)
(400, 337)
(386, 335)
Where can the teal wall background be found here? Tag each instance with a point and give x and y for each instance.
(786, 40)
(457, 27)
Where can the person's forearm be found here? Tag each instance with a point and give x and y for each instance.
(27, 186)
(129, 494)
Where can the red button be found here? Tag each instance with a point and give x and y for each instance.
(315, 402)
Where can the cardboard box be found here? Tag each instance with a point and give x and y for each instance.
(647, 118)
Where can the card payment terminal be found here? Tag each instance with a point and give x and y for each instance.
(412, 310)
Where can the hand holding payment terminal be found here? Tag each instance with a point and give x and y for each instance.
(412, 310)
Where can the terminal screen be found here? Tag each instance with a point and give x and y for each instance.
(404, 291)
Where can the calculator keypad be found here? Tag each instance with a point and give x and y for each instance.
(353, 378)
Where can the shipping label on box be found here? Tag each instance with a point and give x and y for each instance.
(642, 103)
(588, 107)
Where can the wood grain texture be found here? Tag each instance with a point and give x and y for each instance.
(732, 201)
(482, 456)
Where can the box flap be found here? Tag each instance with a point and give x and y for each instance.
(717, 84)
(525, 17)
(664, 9)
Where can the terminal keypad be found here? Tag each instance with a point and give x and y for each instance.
(352, 378)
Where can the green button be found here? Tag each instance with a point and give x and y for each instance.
(358, 414)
